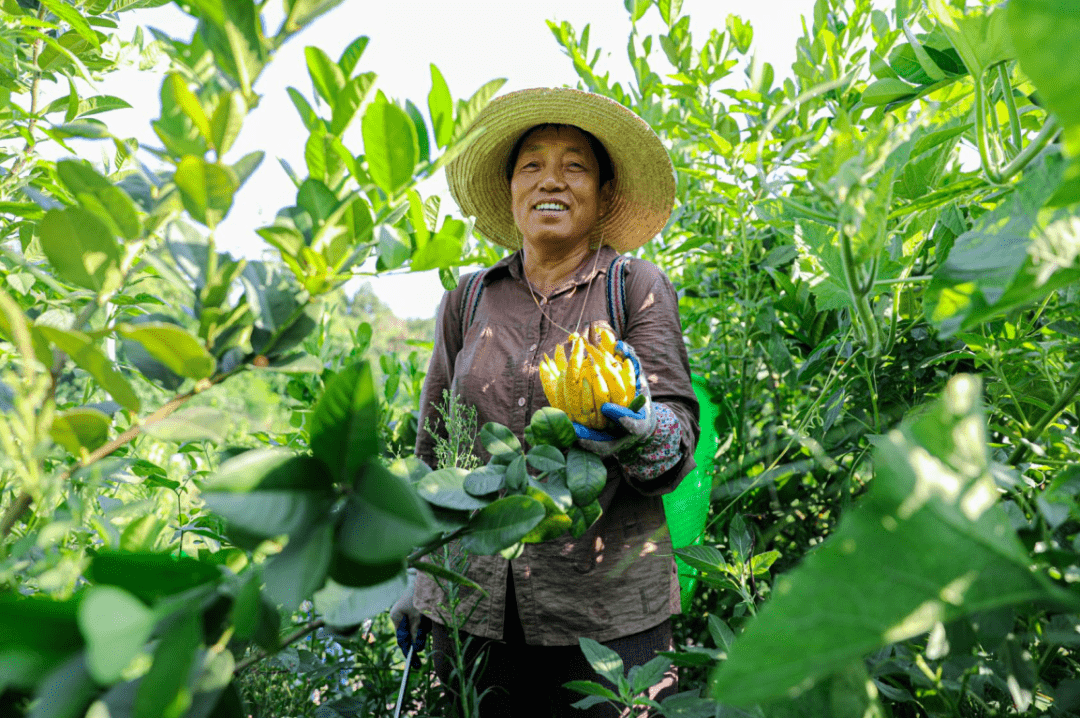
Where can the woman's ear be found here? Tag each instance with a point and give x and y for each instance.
(607, 192)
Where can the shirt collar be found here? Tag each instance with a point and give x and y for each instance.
(511, 266)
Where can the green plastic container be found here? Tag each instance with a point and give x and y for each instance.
(687, 507)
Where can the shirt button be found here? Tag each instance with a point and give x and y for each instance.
(532, 348)
(521, 401)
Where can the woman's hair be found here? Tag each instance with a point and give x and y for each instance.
(603, 159)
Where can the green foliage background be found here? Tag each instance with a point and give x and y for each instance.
(877, 265)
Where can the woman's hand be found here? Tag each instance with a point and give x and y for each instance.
(412, 626)
(626, 426)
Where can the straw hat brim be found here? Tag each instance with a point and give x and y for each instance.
(644, 184)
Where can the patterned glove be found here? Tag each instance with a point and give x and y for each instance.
(628, 427)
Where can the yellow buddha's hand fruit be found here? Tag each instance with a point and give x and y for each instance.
(582, 381)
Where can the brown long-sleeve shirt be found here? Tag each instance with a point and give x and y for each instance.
(619, 578)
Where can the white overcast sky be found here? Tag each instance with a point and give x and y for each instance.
(471, 42)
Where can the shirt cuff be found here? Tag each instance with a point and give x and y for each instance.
(652, 457)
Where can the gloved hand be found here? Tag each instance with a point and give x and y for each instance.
(412, 626)
(628, 427)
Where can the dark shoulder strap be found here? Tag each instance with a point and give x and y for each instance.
(470, 300)
(616, 294)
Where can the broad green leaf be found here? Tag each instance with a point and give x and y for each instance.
(344, 606)
(882, 92)
(483, 481)
(423, 140)
(246, 165)
(550, 426)
(390, 144)
(322, 158)
(349, 100)
(352, 54)
(393, 247)
(636, 8)
(501, 524)
(586, 476)
(173, 659)
(206, 188)
(150, 576)
(1012, 256)
(344, 423)
(932, 488)
(40, 634)
(115, 625)
(227, 120)
(234, 35)
(446, 488)
(86, 106)
(591, 688)
(444, 249)
(189, 104)
(65, 692)
(81, 428)
(254, 617)
(603, 660)
(469, 109)
(15, 328)
(317, 200)
(441, 108)
(88, 357)
(196, 423)
(296, 573)
(172, 346)
(416, 218)
(500, 443)
(302, 12)
(703, 558)
(307, 114)
(1043, 34)
(97, 194)
(81, 248)
(271, 491)
(555, 523)
(651, 673)
(325, 74)
(669, 10)
(73, 17)
(545, 458)
(980, 36)
(384, 519)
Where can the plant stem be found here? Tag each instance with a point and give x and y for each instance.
(1023, 158)
(1059, 406)
(35, 86)
(1010, 103)
(287, 641)
(22, 504)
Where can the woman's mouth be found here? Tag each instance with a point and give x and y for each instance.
(551, 207)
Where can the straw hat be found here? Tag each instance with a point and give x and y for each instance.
(644, 184)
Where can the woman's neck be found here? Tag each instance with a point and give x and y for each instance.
(546, 271)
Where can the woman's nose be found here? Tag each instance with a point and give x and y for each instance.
(552, 179)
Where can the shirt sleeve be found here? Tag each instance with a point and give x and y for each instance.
(440, 376)
(654, 330)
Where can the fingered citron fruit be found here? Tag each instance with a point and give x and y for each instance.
(590, 376)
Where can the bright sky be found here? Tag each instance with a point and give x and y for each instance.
(471, 42)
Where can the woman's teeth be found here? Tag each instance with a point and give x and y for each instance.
(550, 206)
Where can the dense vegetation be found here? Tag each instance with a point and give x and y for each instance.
(877, 259)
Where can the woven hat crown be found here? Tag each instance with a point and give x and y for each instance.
(643, 188)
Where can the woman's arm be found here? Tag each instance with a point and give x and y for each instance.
(658, 464)
(440, 376)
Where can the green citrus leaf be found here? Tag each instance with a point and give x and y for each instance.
(182, 353)
(81, 248)
(81, 428)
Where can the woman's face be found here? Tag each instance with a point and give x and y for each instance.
(554, 189)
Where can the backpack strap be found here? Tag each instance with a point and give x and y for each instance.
(616, 294)
(470, 300)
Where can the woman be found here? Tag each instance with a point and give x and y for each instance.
(569, 180)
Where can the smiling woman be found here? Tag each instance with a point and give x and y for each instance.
(570, 180)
